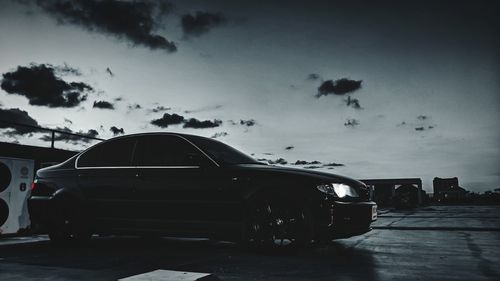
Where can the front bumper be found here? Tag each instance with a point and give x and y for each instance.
(345, 219)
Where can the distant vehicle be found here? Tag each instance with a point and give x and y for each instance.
(185, 185)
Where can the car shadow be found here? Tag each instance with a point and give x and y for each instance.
(126, 256)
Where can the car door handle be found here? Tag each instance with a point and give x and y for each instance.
(82, 175)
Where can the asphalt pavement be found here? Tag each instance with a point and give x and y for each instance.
(429, 243)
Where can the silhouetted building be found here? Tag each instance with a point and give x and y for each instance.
(448, 190)
(404, 193)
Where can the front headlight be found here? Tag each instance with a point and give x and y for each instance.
(339, 190)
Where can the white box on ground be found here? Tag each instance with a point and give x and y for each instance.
(170, 275)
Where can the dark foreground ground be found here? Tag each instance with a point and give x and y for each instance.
(432, 243)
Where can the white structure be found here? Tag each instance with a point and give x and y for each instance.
(169, 275)
(16, 176)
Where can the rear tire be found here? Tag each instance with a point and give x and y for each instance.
(68, 228)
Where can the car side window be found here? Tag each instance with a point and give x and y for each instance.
(166, 151)
(114, 153)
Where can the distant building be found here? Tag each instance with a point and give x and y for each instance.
(402, 192)
(448, 190)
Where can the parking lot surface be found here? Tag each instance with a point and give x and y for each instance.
(429, 243)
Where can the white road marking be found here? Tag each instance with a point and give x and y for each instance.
(170, 275)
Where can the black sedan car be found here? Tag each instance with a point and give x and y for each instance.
(184, 185)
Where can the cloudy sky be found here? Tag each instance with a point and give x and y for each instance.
(386, 88)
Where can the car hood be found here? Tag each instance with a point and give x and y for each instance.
(313, 176)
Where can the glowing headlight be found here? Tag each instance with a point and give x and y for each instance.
(339, 190)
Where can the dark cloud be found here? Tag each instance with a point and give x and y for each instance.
(351, 122)
(117, 131)
(168, 119)
(108, 71)
(353, 102)
(219, 135)
(18, 116)
(289, 147)
(313, 77)
(197, 124)
(175, 119)
(41, 85)
(133, 21)
(134, 106)
(280, 161)
(303, 162)
(103, 105)
(317, 164)
(248, 123)
(91, 133)
(422, 124)
(83, 136)
(160, 108)
(200, 23)
(333, 165)
(423, 128)
(338, 87)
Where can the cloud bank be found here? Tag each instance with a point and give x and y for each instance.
(133, 21)
(18, 116)
(103, 105)
(200, 23)
(338, 87)
(41, 85)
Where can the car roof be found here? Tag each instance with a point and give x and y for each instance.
(187, 136)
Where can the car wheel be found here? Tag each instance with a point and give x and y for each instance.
(275, 223)
(68, 227)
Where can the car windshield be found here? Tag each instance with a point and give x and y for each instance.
(222, 153)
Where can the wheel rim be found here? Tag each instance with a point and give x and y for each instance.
(277, 225)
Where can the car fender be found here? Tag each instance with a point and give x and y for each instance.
(68, 198)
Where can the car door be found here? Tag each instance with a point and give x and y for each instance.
(179, 188)
(106, 177)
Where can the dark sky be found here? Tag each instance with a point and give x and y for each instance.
(388, 88)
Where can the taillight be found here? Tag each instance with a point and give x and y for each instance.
(34, 186)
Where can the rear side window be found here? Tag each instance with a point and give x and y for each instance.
(115, 153)
(166, 151)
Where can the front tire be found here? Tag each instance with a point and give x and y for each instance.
(277, 223)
